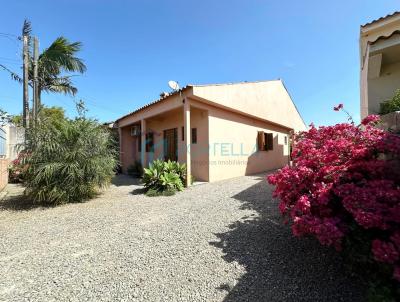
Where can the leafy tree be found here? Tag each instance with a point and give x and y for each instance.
(343, 188)
(4, 117)
(46, 113)
(391, 105)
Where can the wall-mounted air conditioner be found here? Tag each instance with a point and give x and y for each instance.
(135, 130)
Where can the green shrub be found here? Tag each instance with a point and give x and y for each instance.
(68, 160)
(391, 105)
(154, 192)
(164, 177)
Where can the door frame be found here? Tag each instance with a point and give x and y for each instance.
(175, 142)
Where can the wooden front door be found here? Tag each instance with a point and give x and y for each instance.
(171, 144)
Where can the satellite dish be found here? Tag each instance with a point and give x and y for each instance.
(173, 85)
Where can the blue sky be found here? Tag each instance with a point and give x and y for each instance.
(132, 49)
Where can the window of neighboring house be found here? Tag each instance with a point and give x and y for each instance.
(265, 141)
(150, 142)
(285, 140)
(183, 133)
(194, 135)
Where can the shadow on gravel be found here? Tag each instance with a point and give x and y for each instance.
(280, 267)
(138, 191)
(19, 203)
(125, 180)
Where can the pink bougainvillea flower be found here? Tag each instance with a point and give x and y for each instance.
(371, 119)
(338, 107)
(344, 177)
(384, 251)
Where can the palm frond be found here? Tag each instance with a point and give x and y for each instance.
(26, 28)
(61, 56)
(60, 85)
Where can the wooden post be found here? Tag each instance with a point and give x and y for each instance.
(25, 79)
(186, 121)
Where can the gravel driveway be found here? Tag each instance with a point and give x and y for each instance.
(213, 242)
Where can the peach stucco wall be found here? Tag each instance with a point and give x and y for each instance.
(228, 118)
(268, 100)
(233, 146)
(168, 120)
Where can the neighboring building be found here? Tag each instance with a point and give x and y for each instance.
(231, 129)
(14, 138)
(379, 62)
(3, 159)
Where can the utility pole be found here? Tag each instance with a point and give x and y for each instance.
(36, 104)
(25, 79)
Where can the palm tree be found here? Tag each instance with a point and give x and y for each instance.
(56, 60)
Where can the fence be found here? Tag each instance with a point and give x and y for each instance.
(3, 160)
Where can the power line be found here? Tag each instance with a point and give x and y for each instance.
(11, 35)
(94, 104)
(9, 59)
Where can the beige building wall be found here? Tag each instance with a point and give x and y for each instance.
(268, 100)
(199, 152)
(383, 87)
(379, 62)
(233, 146)
(169, 120)
(227, 118)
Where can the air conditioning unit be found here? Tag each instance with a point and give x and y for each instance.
(135, 130)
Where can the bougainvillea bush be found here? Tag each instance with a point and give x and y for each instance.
(17, 168)
(343, 187)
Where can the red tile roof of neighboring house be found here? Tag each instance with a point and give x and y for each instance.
(381, 18)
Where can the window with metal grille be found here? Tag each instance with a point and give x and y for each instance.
(194, 135)
(150, 142)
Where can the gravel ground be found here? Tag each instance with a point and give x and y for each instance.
(213, 242)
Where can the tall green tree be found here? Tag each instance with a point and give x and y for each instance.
(54, 113)
(55, 65)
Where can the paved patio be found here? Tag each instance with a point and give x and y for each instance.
(214, 242)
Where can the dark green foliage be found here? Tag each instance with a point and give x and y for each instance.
(358, 259)
(68, 161)
(154, 193)
(135, 170)
(164, 177)
(391, 105)
(46, 113)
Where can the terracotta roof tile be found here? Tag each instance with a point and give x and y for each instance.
(381, 18)
(153, 102)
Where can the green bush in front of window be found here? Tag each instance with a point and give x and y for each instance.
(164, 178)
(391, 105)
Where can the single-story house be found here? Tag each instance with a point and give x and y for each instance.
(219, 130)
(379, 62)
